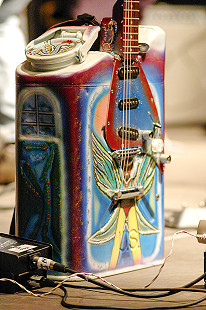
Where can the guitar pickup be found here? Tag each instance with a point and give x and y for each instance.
(126, 72)
(128, 133)
(128, 104)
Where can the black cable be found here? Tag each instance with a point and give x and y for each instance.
(45, 282)
(103, 290)
(129, 293)
(49, 264)
(65, 304)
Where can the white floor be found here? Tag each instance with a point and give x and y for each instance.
(185, 177)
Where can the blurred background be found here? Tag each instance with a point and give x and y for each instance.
(184, 22)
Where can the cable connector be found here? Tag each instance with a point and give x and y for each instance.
(48, 264)
(201, 232)
(43, 262)
(42, 281)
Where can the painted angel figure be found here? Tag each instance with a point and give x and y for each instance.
(125, 178)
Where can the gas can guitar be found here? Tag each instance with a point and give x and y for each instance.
(90, 130)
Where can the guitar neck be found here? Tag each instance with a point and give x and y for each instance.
(130, 29)
(126, 13)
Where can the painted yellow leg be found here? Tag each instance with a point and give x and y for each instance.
(117, 239)
(134, 235)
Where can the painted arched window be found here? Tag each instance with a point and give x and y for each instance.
(39, 114)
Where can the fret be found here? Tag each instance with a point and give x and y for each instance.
(130, 36)
(131, 26)
(131, 18)
(131, 47)
(131, 10)
(132, 2)
(133, 40)
(131, 53)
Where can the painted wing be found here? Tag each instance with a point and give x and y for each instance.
(145, 173)
(145, 228)
(107, 232)
(106, 173)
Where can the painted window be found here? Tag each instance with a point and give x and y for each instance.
(37, 117)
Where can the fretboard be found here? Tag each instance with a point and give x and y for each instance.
(130, 29)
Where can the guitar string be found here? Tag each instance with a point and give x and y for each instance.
(123, 98)
(123, 103)
(126, 13)
(125, 94)
(130, 20)
(127, 50)
(128, 82)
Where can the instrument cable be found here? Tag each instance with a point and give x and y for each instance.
(103, 286)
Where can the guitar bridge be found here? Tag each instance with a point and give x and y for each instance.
(131, 152)
(126, 72)
(128, 104)
(128, 133)
(127, 193)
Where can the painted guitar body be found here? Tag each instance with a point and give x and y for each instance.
(72, 189)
